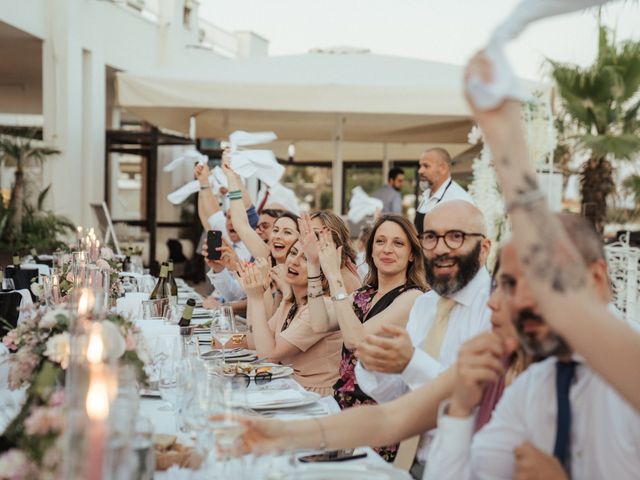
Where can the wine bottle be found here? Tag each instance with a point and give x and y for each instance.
(161, 289)
(173, 286)
(16, 260)
(187, 313)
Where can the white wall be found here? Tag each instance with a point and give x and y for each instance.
(80, 39)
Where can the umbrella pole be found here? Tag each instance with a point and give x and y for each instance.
(337, 167)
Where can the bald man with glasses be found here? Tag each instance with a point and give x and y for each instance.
(396, 360)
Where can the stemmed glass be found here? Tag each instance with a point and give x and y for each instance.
(223, 326)
(223, 422)
(168, 383)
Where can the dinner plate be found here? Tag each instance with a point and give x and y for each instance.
(342, 472)
(307, 399)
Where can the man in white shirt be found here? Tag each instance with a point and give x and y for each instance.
(456, 250)
(435, 170)
(558, 419)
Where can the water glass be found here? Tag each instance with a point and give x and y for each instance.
(168, 383)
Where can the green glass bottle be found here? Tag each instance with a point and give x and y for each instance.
(161, 290)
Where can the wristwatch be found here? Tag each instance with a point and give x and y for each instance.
(338, 297)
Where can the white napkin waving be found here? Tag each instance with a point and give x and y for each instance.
(190, 155)
(487, 96)
(362, 205)
(281, 195)
(217, 179)
(259, 163)
(240, 138)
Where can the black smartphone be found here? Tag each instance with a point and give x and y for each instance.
(214, 241)
(332, 456)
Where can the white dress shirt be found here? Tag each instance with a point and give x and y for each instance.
(226, 286)
(469, 317)
(449, 190)
(605, 430)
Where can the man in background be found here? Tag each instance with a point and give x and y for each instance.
(435, 170)
(390, 193)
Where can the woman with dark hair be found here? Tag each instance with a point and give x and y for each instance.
(395, 280)
(287, 337)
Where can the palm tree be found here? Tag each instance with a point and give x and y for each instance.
(602, 102)
(21, 152)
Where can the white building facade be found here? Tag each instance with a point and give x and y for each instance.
(58, 59)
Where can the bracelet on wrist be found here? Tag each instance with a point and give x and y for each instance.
(315, 294)
(323, 439)
(204, 187)
(315, 277)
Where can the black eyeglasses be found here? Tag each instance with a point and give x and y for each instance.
(261, 378)
(452, 239)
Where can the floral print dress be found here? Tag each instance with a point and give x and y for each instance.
(346, 391)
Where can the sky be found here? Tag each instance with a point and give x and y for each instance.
(442, 30)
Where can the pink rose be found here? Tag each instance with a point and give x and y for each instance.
(15, 465)
(10, 340)
(44, 420)
(102, 264)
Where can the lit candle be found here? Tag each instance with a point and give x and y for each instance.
(98, 397)
(55, 288)
(97, 405)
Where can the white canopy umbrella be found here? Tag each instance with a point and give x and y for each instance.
(344, 102)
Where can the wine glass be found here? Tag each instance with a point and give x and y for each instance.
(223, 326)
(168, 383)
(225, 409)
(8, 284)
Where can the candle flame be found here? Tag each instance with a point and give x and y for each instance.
(95, 349)
(85, 303)
(97, 403)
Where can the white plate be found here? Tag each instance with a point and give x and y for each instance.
(308, 399)
(340, 472)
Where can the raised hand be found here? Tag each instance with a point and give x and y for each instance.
(480, 362)
(330, 257)
(264, 265)
(251, 280)
(228, 256)
(202, 172)
(277, 276)
(308, 240)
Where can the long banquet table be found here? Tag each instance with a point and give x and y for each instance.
(370, 467)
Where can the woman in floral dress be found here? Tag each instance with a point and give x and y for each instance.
(396, 278)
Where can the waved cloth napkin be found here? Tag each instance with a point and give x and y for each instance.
(504, 85)
(362, 205)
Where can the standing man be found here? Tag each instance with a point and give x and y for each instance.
(390, 193)
(435, 169)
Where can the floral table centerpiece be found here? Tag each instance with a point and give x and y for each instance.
(31, 446)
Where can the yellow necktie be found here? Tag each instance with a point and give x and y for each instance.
(432, 345)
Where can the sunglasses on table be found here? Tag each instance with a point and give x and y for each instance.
(261, 378)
